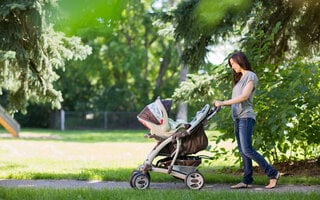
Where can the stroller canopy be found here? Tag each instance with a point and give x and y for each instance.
(153, 112)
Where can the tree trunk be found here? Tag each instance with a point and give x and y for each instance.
(182, 112)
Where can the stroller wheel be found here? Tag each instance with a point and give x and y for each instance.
(135, 172)
(194, 180)
(140, 181)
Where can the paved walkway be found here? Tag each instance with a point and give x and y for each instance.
(125, 185)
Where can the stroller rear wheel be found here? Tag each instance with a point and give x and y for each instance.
(194, 180)
(139, 180)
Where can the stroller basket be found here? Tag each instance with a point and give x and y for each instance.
(185, 164)
(191, 144)
(182, 161)
(185, 169)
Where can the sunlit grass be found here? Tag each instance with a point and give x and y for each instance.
(100, 155)
(82, 155)
(85, 193)
(88, 136)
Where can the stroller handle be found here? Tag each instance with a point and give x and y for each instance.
(216, 108)
(208, 116)
(213, 111)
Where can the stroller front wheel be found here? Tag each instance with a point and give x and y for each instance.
(140, 181)
(194, 180)
(135, 172)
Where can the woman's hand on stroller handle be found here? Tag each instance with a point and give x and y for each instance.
(216, 108)
(213, 111)
(217, 103)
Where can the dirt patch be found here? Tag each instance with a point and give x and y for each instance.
(297, 168)
(290, 168)
(301, 168)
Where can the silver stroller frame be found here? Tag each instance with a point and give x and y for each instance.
(140, 178)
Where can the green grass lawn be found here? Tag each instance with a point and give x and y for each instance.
(99, 155)
(83, 155)
(129, 194)
(110, 155)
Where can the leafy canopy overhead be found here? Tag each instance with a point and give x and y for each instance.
(31, 51)
(83, 14)
(203, 23)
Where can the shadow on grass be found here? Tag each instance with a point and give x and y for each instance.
(122, 174)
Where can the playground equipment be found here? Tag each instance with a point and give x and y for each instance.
(10, 124)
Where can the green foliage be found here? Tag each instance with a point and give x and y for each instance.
(31, 51)
(193, 87)
(282, 53)
(200, 23)
(287, 111)
(73, 17)
(288, 106)
(200, 89)
(300, 23)
(130, 66)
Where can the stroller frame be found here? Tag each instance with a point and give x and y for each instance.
(140, 178)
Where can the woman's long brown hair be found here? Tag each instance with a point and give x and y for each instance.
(240, 58)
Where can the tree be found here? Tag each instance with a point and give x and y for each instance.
(31, 51)
(281, 39)
(288, 111)
(131, 62)
(130, 66)
(207, 22)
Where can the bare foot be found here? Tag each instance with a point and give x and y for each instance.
(273, 182)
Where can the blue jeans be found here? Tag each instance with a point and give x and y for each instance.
(243, 129)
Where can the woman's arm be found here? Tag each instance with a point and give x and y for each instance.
(244, 96)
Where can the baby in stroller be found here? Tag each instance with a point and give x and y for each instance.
(155, 117)
(176, 141)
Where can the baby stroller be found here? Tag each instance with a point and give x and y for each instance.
(176, 142)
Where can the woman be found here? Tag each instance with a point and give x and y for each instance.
(244, 86)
